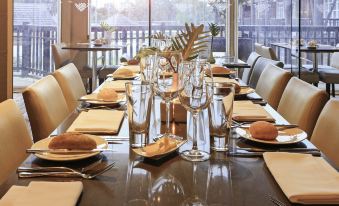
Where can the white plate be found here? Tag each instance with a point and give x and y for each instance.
(43, 144)
(286, 136)
(90, 98)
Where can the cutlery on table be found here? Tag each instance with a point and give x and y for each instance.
(280, 126)
(60, 169)
(66, 151)
(260, 153)
(70, 173)
(250, 149)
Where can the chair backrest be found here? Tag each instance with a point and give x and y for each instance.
(301, 104)
(71, 84)
(61, 56)
(46, 106)
(272, 83)
(252, 59)
(335, 60)
(14, 138)
(257, 48)
(259, 67)
(326, 132)
(269, 53)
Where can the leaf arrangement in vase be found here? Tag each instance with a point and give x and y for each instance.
(191, 42)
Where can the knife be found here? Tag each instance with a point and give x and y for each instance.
(277, 125)
(66, 151)
(259, 154)
(280, 150)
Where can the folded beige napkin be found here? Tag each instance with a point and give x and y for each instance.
(303, 178)
(225, 80)
(43, 193)
(133, 68)
(248, 111)
(118, 85)
(98, 121)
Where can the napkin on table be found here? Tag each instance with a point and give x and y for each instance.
(43, 193)
(98, 121)
(248, 111)
(118, 85)
(304, 178)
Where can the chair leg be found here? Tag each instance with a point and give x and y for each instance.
(101, 80)
(328, 89)
(90, 85)
(333, 90)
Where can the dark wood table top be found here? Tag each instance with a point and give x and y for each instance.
(91, 47)
(222, 180)
(321, 48)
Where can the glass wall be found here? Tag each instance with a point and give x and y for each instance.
(131, 20)
(265, 22)
(35, 26)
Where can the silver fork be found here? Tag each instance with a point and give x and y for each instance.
(274, 200)
(70, 173)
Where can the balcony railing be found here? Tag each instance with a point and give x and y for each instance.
(33, 56)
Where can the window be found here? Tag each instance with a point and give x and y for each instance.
(35, 29)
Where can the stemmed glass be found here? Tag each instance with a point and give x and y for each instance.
(167, 82)
(195, 97)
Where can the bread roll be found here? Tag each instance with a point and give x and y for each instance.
(161, 146)
(123, 73)
(237, 87)
(220, 70)
(108, 94)
(72, 140)
(263, 130)
(132, 62)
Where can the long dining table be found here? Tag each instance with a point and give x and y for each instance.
(223, 180)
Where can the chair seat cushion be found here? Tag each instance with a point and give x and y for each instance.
(330, 76)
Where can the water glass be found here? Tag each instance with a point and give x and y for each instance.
(220, 115)
(139, 102)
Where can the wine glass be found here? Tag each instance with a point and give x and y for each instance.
(167, 82)
(195, 97)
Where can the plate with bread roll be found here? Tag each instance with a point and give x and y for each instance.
(105, 96)
(268, 133)
(160, 148)
(219, 71)
(69, 141)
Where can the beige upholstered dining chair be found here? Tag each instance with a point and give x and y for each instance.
(63, 57)
(252, 59)
(257, 48)
(14, 139)
(71, 84)
(268, 53)
(301, 104)
(326, 132)
(46, 106)
(272, 83)
(258, 68)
